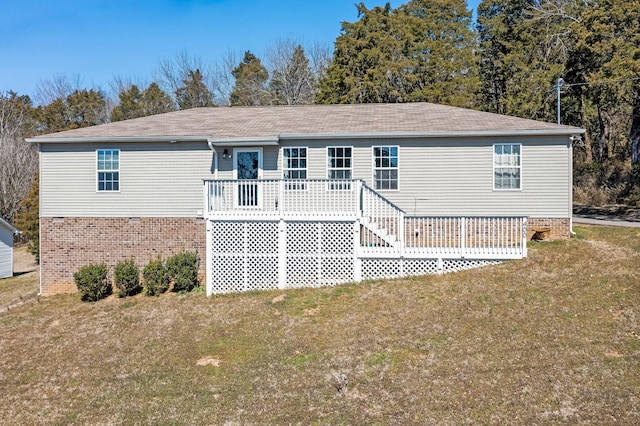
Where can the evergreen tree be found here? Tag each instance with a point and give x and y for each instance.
(28, 218)
(422, 51)
(81, 108)
(443, 47)
(86, 108)
(134, 104)
(523, 52)
(607, 58)
(53, 116)
(250, 87)
(194, 92)
(130, 105)
(498, 26)
(156, 101)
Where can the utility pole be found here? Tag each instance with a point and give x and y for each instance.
(558, 86)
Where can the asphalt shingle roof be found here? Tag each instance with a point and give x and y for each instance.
(275, 121)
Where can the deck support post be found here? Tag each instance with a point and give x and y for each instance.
(282, 254)
(357, 261)
(209, 266)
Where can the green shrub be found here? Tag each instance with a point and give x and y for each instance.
(92, 282)
(155, 277)
(183, 269)
(126, 277)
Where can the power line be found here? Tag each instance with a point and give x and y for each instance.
(561, 83)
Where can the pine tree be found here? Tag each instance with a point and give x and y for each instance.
(134, 104)
(250, 87)
(130, 105)
(156, 101)
(194, 92)
(86, 108)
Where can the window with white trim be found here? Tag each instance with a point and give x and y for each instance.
(339, 166)
(108, 169)
(294, 166)
(385, 167)
(507, 168)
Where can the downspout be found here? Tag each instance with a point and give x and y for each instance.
(215, 158)
(571, 139)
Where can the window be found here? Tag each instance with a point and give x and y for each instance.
(339, 166)
(294, 166)
(507, 166)
(108, 169)
(385, 167)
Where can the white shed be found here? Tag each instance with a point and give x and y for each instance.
(7, 231)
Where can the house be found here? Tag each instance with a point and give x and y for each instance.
(7, 231)
(279, 197)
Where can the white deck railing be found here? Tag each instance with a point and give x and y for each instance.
(385, 229)
(282, 198)
(473, 237)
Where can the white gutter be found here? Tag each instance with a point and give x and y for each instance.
(115, 139)
(249, 141)
(483, 133)
(275, 139)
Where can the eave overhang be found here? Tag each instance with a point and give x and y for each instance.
(276, 139)
(9, 226)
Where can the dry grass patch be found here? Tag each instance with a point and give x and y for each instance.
(550, 339)
(23, 283)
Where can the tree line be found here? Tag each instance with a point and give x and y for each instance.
(509, 60)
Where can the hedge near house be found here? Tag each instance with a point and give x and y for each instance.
(156, 279)
(183, 269)
(127, 278)
(92, 282)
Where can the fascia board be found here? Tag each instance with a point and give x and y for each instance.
(419, 135)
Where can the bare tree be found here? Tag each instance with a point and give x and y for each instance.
(18, 159)
(292, 80)
(295, 71)
(173, 72)
(57, 87)
(320, 55)
(223, 74)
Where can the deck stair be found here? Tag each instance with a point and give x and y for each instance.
(383, 221)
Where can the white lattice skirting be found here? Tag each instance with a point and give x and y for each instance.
(262, 255)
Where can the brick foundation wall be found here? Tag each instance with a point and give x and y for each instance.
(560, 227)
(68, 243)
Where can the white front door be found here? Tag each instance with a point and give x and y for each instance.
(247, 166)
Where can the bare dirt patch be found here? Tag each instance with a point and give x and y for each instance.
(23, 261)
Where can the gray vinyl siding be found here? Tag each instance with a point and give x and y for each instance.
(448, 176)
(6, 252)
(455, 176)
(156, 180)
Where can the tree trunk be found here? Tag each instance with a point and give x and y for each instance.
(603, 139)
(634, 135)
(588, 148)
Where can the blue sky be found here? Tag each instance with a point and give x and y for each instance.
(99, 39)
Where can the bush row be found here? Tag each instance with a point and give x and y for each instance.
(180, 269)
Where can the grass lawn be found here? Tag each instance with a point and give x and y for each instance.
(23, 283)
(552, 339)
